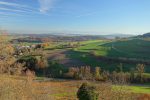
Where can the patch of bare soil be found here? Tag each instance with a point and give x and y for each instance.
(61, 57)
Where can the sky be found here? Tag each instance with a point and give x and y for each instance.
(75, 16)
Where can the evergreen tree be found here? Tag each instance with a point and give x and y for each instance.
(87, 92)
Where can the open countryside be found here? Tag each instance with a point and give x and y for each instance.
(74, 50)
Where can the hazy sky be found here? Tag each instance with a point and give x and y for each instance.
(75, 16)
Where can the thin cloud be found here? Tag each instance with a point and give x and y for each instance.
(18, 6)
(21, 9)
(9, 14)
(46, 5)
(12, 10)
(9, 4)
(15, 9)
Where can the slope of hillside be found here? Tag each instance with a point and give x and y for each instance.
(146, 35)
(135, 48)
(109, 54)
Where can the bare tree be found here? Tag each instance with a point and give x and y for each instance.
(140, 70)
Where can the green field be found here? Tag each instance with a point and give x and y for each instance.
(81, 55)
(134, 88)
(135, 48)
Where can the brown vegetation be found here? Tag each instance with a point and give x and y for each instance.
(12, 88)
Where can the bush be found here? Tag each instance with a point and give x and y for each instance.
(87, 92)
(30, 62)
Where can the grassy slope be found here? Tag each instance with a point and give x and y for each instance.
(135, 48)
(131, 49)
(126, 48)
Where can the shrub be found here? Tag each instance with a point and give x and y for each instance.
(87, 92)
(30, 62)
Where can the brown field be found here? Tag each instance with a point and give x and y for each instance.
(61, 57)
(66, 90)
(26, 89)
(58, 90)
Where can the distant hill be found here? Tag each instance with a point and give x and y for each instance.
(113, 36)
(146, 35)
(38, 38)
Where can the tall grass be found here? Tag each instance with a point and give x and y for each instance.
(19, 89)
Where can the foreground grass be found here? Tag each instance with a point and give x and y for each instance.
(134, 88)
(140, 89)
(58, 90)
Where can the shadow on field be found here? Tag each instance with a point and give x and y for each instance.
(105, 63)
(90, 49)
(147, 88)
(91, 60)
(132, 48)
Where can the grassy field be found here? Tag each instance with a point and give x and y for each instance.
(135, 48)
(69, 88)
(62, 90)
(81, 56)
(92, 61)
(135, 88)
(59, 89)
(129, 48)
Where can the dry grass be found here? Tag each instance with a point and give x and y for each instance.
(18, 89)
(66, 90)
(60, 90)
(22, 88)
